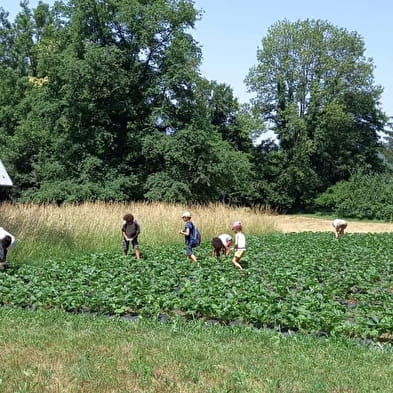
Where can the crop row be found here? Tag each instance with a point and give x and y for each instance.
(309, 282)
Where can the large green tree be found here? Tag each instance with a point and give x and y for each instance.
(314, 88)
(104, 100)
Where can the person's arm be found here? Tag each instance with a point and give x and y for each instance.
(3, 254)
(123, 232)
(185, 232)
(138, 230)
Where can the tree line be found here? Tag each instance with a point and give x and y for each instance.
(105, 100)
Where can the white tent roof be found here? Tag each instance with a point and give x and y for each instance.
(4, 178)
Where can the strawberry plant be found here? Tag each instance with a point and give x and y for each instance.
(307, 282)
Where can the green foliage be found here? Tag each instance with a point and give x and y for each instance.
(110, 105)
(309, 282)
(364, 195)
(196, 165)
(105, 101)
(120, 189)
(314, 88)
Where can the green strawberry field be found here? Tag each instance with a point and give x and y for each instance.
(306, 282)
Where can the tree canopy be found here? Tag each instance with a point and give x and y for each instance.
(105, 100)
(314, 88)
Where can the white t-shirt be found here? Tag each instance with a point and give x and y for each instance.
(338, 222)
(4, 233)
(240, 241)
(225, 238)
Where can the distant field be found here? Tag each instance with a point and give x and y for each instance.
(46, 231)
(296, 223)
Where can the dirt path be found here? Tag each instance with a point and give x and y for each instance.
(287, 223)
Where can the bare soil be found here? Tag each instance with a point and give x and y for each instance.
(286, 223)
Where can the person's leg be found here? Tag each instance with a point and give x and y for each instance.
(340, 230)
(193, 258)
(228, 247)
(236, 261)
(135, 246)
(125, 246)
(190, 254)
(217, 246)
(3, 254)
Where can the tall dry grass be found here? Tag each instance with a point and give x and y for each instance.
(48, 230)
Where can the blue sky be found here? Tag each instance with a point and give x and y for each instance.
(231, 31)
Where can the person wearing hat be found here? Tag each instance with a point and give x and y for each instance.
(7, 241)
(187, 231)
(240, 244)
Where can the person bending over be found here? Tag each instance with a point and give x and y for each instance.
(130, 231)
(339, 226)
(221, 244)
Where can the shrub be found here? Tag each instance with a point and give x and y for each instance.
(368, 196)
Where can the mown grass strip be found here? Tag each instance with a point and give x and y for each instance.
(56, 352)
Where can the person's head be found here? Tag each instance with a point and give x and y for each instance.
(6, 241)
(217, 246)
(128, 218)
(186, 216)
(237, 226)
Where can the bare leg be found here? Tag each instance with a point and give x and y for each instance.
(137, 253)
(236, 261)
(340, 231)
(193, 258)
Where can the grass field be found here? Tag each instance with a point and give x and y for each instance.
(55, 352)
(52, 351)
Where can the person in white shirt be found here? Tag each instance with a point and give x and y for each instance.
(339, 225)
(240, 244)
(7, 241)
(222, 244)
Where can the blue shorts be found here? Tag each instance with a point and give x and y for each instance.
(188, 249)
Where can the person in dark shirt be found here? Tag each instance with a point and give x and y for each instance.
(187, 232)
(130, 231)
(6, 242)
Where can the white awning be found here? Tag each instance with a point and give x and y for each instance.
(4, 178)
